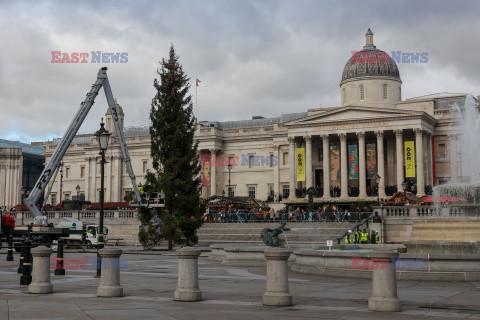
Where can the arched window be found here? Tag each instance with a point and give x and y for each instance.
(362, 92)
(385, 91)
(344, 96)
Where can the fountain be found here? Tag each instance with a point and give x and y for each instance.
(454, 228)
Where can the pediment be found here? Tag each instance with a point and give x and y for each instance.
(350, 113)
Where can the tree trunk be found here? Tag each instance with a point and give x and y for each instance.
(170, 244)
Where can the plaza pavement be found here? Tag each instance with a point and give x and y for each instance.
(149, 281)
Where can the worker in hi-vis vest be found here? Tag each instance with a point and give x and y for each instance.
(364, 237)
(348, 239)
(358, 234)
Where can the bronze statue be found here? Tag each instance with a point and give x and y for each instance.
(270, 236)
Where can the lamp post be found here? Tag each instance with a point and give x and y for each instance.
(77, 188)
(102, 137)
(377, 180)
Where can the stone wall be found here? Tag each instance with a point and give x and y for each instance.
(123, 223)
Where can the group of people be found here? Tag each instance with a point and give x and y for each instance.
(362, 237)
(330, 213)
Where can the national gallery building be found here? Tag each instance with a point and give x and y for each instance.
(374, 143)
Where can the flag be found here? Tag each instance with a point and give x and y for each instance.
(197, 82)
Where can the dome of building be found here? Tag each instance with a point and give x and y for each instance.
(370, 62)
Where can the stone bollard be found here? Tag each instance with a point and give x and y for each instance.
(59, 268)
(41, 271)
(277, 293)
(110, 275)
(384, 283)
(26, 277)
(187, 289)
(10, 248)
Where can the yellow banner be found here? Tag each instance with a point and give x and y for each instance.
(300, 164)
(409, 159)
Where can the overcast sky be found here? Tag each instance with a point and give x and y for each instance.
(264, 57)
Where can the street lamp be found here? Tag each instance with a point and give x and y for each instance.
(102, 137)
(223, 193)
(77, 188)
(377, 180)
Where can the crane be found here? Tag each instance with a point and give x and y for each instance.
(54, 163)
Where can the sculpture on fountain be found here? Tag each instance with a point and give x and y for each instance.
(270, 236)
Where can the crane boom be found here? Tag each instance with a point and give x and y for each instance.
(85, 106)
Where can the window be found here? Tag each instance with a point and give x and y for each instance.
(67, 196)
(67, 172)
(285, 158)
(344, 96)
(53, 200)
(286, 190)
(144, 169)
(250, 161)
(320, 154)
(441, 152)
(362, 92)
(385, 91)
(82, 172)
(231, 192)
(272, 192)
(251, 192)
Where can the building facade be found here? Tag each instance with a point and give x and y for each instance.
(370, 145)
(20, 166)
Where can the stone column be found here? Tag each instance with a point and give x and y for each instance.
(277, 293)
(110, 276)
(187, 289)
(87, 179)
(291, 155)
(276, 171)
(419, 160)
(343, 165)
(380, 164)
(384, 283)
(41, 271)
(452, 141)
(430, 160)
(108, 185)
(326, 166)
(119, 178)
(362, 165)
(308, 161)
(95, 194)
(425, 158)
(399, 146)
(213, 168)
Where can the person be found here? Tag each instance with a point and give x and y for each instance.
(346, 216)
(239, 216)
(348, 239)
(374, 237)
(358, 235)
(364, 237)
